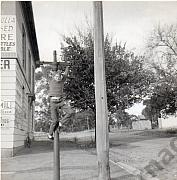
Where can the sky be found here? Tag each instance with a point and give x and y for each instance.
(129, 22)
(125, 21)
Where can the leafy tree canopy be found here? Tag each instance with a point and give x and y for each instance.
(126, 79)
(162, 55)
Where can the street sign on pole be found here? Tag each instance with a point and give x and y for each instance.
(102, 136)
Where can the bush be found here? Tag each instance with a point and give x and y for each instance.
(171, 131)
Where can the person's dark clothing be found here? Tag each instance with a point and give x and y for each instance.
(56, 87)
(57, 109)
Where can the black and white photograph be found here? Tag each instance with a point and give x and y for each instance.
(88, 90)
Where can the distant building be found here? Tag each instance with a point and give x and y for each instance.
(170, 121)
(19, 58)
(142, 118)
(141, 124)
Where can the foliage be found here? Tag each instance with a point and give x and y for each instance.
(42, 110)
(83, 120)
(80, 89)
(80, 121)
(163, 43)
(162, 54)
(124, 119)
(171, 131)
(42, 126)
(126, 79)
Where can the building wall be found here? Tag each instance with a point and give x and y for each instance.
(168, 122)
(8, 88)
(141, 125)
(9, 10)
(24, 80)
(16, 83)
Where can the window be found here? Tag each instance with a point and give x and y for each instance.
(24, 47)
(29, 67)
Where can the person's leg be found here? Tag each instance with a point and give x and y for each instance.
(54, 116)
(59, 112)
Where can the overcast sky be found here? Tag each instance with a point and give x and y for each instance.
(129, 22)
(126, 21)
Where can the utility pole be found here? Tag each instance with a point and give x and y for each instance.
(56, 157)
(102, 136)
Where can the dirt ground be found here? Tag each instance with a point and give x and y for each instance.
(130, 153)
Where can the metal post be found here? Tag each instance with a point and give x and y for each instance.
(102, 136)
(56, 144)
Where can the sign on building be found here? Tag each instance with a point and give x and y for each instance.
(8, 33)
(6, 107)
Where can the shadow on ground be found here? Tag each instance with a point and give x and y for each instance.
(46, 146)
(116, 140)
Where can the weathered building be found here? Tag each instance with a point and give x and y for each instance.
(19, 58)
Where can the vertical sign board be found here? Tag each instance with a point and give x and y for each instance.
(8, 33)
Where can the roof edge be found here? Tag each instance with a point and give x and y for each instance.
(29, 19)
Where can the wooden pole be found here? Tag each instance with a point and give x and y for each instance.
(56, 156)
(54, 56)
(102, 136)
(56, 148)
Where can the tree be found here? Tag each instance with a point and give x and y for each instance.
(162, 53)
(80, 89)
(123, 118)
(163, 42)
(126, 79)
(42, 111)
